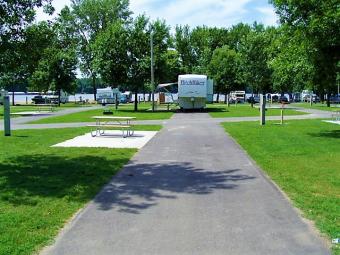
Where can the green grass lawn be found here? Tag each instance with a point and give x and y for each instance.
(303, 158)
(143, 113)
(318, 106)
(42, 187)
(243, 110)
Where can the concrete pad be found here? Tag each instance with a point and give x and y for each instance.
(31, 113)
(111, 139)
(333, 121)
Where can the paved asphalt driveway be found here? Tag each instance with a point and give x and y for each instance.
(191, 190)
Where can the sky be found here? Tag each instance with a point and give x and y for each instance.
(213, 13)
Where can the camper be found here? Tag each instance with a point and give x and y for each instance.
(126, 97)
(53, 97)
(193, 91)
(108, 95)
(238, 96)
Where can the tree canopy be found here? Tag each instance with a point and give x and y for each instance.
(106, 43)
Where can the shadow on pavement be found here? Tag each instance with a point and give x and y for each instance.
(140, 186)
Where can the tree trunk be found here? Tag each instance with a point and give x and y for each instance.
(136, 102)
(149, 99)
(218, 97)
(322, 98)
(328, 99)
(13, 95)
(94, 86)
(252, 100)
(225, 98)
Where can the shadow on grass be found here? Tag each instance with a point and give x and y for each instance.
(141, 186)
(329, 134)
(25, 179)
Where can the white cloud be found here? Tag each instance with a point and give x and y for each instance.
(220, 13)
(269, 17)
(191, 12)
(57, 4)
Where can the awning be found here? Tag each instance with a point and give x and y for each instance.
(166, 85)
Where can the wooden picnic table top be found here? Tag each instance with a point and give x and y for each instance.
(113, 118)
(44, 104)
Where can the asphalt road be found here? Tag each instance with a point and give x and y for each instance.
(190, 190)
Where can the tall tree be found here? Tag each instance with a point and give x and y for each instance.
(15, 16)
(90, 18)
(255, 70)
(110, 51)
(57, 67)
(139, 55)
(320, 22)
(183, 45)
(223, 68)
(162, 41)
(290, 62)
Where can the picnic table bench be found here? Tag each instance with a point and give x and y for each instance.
(112, 122)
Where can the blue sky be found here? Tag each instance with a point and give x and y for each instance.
(220, 13)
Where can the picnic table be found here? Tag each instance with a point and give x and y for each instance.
(108, 122)
(44, 107)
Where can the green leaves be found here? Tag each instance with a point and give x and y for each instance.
(319, 22)
(223, 68)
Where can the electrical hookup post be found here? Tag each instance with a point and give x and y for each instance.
(7, 117)
(262, 110)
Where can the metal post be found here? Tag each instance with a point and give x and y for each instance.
(7, 117)
(152, 73)
(262, 110)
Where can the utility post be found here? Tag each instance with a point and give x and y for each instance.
(152, 72)
(262, 109)
(7, 117)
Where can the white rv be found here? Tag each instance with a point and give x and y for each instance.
(108, 95)
(194, 91)
(238, 96)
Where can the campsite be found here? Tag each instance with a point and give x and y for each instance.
(169, 127)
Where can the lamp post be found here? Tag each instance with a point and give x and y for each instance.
(152, 73)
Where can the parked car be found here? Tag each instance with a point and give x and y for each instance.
(40, 100)
(253, 100)
(283, 100)
(275, 98)
(335, 99)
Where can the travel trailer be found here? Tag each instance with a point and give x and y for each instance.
(54, 98)
(194, 91)
(108, 95)
(126, 97)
